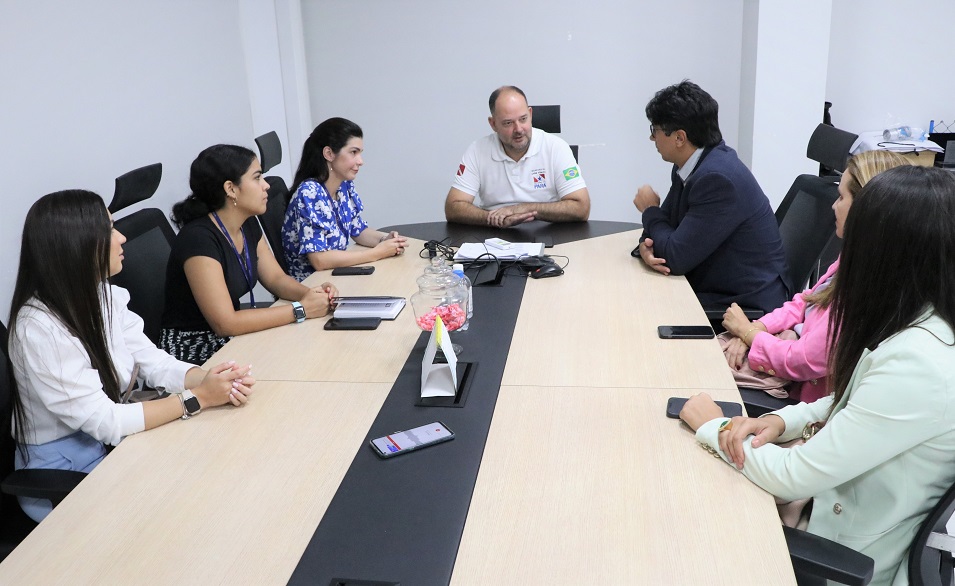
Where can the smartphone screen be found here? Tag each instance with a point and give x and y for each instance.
(413, 439)
(342, 271)
(685, 332)
(353, 323)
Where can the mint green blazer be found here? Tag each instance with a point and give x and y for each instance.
(884, 457)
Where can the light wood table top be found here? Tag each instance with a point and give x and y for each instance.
(306, 352)
(596, 486)
(231, 496)
(583, 479)
(596, 325)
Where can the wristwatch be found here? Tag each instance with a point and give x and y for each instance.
(190, 404)
(298, 311)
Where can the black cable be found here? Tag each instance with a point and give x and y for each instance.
(433, 248)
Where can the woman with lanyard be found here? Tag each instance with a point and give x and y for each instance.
(220, 254)
(325, 210)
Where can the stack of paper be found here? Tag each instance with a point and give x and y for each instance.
(472, 250)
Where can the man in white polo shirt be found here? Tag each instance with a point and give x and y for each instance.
(518, 173)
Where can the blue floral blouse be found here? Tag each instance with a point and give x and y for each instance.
(315, 222)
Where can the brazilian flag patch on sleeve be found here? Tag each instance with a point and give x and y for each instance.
(571, 173)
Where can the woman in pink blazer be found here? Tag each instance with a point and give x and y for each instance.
(802, 358)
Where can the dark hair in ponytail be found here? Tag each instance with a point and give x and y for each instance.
(64, 264)
(333, 133)
(209, 172)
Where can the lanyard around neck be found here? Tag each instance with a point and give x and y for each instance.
(247, 265)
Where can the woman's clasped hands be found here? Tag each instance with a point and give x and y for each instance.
(225, 383)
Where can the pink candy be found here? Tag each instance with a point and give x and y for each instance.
(452, 316)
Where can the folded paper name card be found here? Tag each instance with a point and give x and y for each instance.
(439, 380)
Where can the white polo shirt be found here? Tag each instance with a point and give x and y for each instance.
(546, 173)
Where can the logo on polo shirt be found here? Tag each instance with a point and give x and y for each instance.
(571, 173)
(540, 179)
(460, 169)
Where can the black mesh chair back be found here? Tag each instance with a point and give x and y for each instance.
(136, 186)
(547, 118)
(270, 150)
(148, 243)
(930, 558)
(271, 221)
(807, 226)
(270, 155)
(830, 146)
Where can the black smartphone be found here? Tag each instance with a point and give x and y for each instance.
(353, 323)
(345, 271)
(675, 404)
(400, 442)
(685, 332)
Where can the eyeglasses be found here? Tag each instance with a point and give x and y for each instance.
(653, 131)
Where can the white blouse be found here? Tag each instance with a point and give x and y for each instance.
(60, 390)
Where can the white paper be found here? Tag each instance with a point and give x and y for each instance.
(439, 380)
(872, 141)
(472, 250)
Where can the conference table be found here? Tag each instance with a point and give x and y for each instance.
(564, 468)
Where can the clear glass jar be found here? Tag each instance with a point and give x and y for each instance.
(440, 293)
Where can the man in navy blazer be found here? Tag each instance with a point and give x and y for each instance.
(715, 226)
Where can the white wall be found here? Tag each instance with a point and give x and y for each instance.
(789, 91)
(416, 75)
(94, 89)
(890, 62)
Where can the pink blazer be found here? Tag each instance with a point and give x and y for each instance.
(804, 359)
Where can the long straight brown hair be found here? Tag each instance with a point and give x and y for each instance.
(896, 264)
(64, 264)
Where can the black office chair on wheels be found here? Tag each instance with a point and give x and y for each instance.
(808, 232)
(149, 238)
(547, 118)
(270, 155)
(53, 485)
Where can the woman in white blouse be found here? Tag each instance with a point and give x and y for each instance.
(74, 345)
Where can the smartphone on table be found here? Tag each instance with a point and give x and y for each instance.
(353, 323)
(685, 332)
(345, 271)
(400, 442)
(675, 405)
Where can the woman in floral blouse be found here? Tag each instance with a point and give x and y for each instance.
(325, 210)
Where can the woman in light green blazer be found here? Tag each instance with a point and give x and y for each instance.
(886, 453)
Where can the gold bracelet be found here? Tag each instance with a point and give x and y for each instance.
(743, 338)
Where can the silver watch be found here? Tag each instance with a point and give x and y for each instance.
(190, 404)
(298, 311)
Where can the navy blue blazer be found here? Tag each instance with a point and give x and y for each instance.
(720, 232)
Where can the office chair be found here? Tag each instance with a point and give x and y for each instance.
(149, 240)
(48, 484)
(930, 562)
(148, 243)
(270, 155)
(830, 147)
(808, 231)
(547, 118)
(136, 186)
